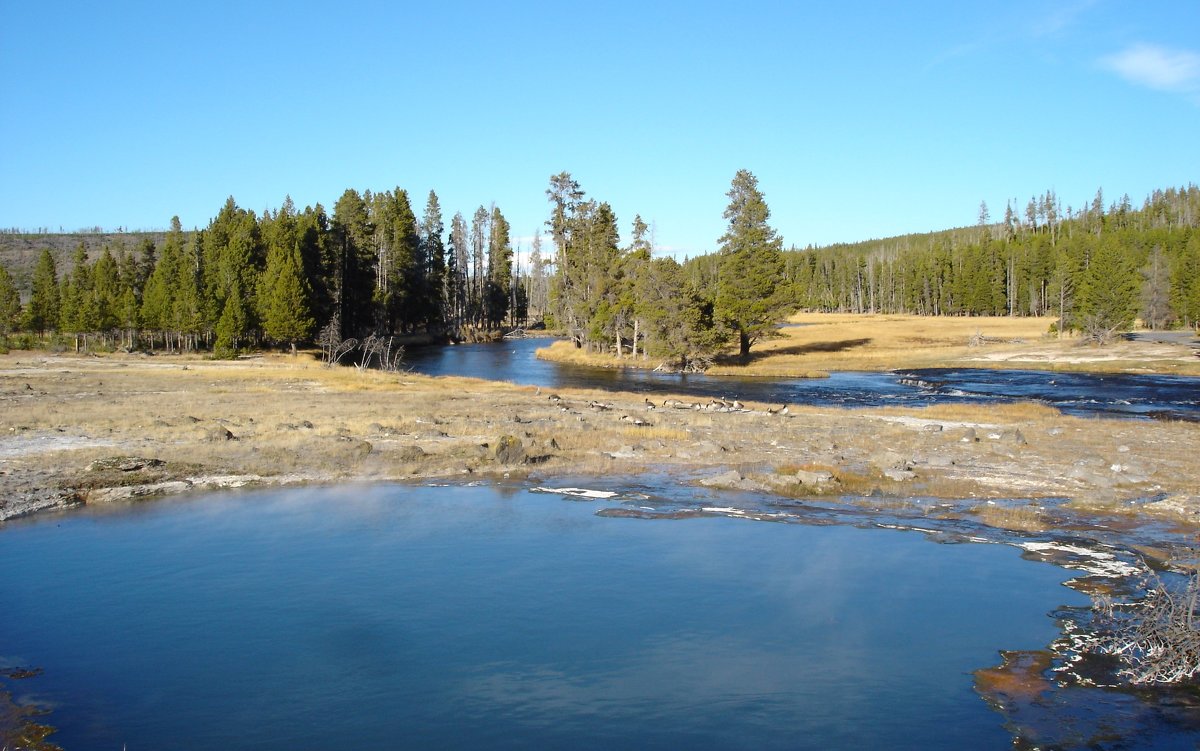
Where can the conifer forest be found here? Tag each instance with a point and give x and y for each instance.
(373, 269)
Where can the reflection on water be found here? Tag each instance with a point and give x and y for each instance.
(1172, 397)
(471, 618)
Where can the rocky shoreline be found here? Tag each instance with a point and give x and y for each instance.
(96, 430)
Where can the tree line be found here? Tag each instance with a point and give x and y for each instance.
(609, 297)
(285, 277)
(373, 269)
(1096, 269)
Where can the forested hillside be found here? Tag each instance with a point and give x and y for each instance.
(1096, 268)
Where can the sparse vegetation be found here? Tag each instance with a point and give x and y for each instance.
(1157, 638)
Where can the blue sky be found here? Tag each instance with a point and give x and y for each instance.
(860, 120)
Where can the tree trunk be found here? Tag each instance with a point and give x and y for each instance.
(744, 343)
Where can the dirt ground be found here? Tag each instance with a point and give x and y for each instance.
(92, 430)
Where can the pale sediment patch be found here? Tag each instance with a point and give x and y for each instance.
(1094, 562)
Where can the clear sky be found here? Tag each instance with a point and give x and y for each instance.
(860, 119)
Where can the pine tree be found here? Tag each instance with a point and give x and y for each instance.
(354, 261)
(285, 296)
(499, 273)
(233, 323)
(751, 265)
(106, 291)
(434, 251)
(456, 275)
(1108, 295)
(158, 296)
(44, 303)
(10, 304)
(1185, 283)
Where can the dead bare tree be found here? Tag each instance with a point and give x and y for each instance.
(381, 349)
(1157, 638)
(333, 346)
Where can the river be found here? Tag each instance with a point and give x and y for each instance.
(503, 617)
(1086, 394)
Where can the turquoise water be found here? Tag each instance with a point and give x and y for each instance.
(484, 617)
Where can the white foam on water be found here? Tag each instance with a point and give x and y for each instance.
(578, 492)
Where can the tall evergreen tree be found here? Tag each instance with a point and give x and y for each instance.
(44, 305)
(10, 304)
(158, 297)
(233, 323)
(499, 274)
(479, 238)
(456, 287)
(354, 277)
(1108, 296)
(749, 293)
(433, 249)
(285, 298)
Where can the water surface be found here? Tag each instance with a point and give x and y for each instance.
(494, 618)
(1172, 397)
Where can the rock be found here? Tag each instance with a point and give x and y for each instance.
(1184, 506)
(625, 452)
(813, 479)
(359, 448)
(969, 436)
(898, 475)
(730, 479)
(306, 424)
(932, 428)
(124, 464)
(509, 450)
(940, 460)
(410, 453)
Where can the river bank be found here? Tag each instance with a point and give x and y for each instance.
(811, 345)
(97, 430)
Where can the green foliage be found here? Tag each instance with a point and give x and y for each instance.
(1185, 283)
(233, 324)
(1108, 295)
(284, 296)
(1034, 266)
(10, 304)
(499, 281)
(677, 319)
(44, 305)
(750, 293)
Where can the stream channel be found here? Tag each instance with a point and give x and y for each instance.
(583, 613)
(1085, 394)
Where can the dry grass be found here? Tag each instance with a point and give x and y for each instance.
(1016, 518)
(292, 418)
(824, 342)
